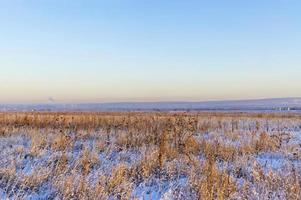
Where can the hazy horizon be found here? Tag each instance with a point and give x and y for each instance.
(121, 51)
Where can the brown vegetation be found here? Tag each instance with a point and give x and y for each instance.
(74, 154)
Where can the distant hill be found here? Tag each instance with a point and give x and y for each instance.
(244, 105)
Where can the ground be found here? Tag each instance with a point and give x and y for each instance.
(150, 156)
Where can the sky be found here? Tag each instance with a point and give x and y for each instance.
(148, 50)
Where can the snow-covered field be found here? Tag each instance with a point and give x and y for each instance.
(149, 156)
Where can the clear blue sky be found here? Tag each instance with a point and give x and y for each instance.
(148, 50)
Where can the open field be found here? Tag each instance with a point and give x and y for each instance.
(154, 155)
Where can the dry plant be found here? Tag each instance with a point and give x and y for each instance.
(128, 155)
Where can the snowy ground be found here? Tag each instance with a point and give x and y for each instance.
(33, 166)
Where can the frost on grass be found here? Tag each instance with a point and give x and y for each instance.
(149, 156)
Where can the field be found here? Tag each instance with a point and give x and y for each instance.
(153, 155)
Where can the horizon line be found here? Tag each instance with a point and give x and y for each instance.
(164, 101)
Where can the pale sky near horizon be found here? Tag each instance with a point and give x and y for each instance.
(148, 50)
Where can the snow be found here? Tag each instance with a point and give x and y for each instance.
(156, 189)
(280, 161)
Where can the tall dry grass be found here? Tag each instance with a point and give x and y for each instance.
(206, 148)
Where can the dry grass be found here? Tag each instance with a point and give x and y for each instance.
(116, 155)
